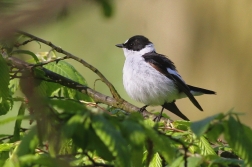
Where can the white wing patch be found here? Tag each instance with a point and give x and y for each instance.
(174, 72)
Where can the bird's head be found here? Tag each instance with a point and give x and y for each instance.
(136, 45)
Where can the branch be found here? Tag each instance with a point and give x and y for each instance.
(69, 55)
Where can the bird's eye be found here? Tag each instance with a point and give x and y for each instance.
(131, 44)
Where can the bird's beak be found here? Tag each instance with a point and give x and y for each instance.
(120, 45)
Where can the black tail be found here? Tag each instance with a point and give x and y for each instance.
(174, 109)
(201, 90)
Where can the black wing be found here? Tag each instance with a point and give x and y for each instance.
(159, 60)
(174, 109)
(161, 63)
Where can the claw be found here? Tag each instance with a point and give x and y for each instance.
(142, 109)
(158, 118)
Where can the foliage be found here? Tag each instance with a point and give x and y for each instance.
(69, 129)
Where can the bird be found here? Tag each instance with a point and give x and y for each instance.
(152, 78)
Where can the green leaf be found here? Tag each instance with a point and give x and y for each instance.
(106, 7)
(239, 137)
(112, 138)
(27, 52)
(9, 163)
(200, 127)
(162, 143)
(10, 119)
(6, 146)
(156, 161)
(38, 72)
(67, 106)
(214, 131)
(133, 131)
(65, 69)
(87, 139)
(75, 124)
(149, 122)
(194, 161)
(16, 135)
(4, 155)
(96, 145)
(135, 134)
(205, 147)
(191, 162)
(182, 125)
(44, 160)
(225, 162)
(5, 104)
(178, 162)
(49, 88)
(13, 86)
(28, 143)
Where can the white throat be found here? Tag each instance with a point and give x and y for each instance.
(148, 48)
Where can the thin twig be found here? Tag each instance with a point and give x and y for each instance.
(90, 158)
(173, 129)
(95, 82)
(50, 61)
(15, 73)
(11, 136)
(94, 164)
(92, 104)
(39, 150)
(5, 138)
(23, 43)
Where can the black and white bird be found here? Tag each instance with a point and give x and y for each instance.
(152, 78)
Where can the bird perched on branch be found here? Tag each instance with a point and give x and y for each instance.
(152, 78)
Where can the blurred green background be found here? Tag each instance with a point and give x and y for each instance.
(210, 43)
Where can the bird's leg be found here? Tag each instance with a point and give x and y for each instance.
(142, 109)
(158, 118)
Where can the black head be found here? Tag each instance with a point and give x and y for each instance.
(135, 43)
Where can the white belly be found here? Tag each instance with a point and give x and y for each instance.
(147, 85)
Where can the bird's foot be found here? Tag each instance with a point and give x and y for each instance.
(157, 118)
(142, 109)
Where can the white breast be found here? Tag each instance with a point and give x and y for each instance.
(145, 84)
